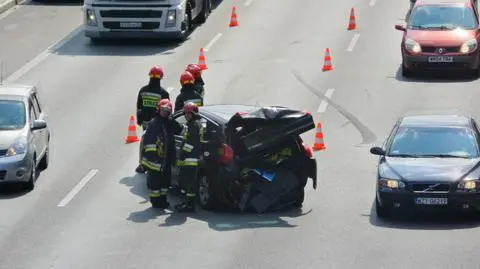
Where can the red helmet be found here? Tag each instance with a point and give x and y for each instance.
(156, 72)
(190, 108)
(164, 107)
(195, 70)
(186, 78)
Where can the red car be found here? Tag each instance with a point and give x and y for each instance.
(441, 35)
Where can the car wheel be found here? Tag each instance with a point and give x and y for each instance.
(206, 198)
(207, 8)
(406, 72)
(45, 160)
(30, 184)
(382, 212)
(300, 198)
(186, 25)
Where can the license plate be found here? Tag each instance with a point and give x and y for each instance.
(131, 24)
(440, 59)
(431, 201)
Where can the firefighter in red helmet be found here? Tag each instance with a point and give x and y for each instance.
(189, 158)
(147, 100)
(196, 71)
(188, 92)
(159, 153)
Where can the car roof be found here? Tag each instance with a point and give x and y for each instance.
(15, 91)
(221, 113)
(467, 3)
(436, 120)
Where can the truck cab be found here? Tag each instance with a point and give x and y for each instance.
(157, 19)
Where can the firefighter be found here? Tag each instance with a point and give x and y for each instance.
(159, 153)
(147, 100)
(190, 155)
(196, 71)
(188, 92)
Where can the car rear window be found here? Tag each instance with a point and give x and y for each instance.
(444, 17)
(418, 141)
(12, 115)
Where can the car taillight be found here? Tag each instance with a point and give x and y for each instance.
(308, 151)
(226, 154)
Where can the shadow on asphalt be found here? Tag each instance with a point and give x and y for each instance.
(15, 190)
(218, 221)
(424, 221)
(435, 77)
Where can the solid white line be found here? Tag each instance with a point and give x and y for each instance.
(372, 3)
(248, 2)
(351, 46)
(78, 187)
(42, 56)
(324, 104)
(212, 42)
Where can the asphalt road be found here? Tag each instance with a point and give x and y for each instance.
(89, 92)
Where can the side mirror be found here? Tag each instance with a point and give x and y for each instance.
(377, 151)
(39, 124)
(400, 27)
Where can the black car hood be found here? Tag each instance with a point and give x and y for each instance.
(427, 169)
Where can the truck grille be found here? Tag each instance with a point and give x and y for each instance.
(429, 187)
(2, 174)
(131, 13)
(3, 152)
(432, 49)
(145, 26)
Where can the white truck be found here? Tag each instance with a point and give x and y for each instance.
(170, 19)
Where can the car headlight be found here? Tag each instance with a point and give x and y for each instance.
(19, 147)
(171, 17)
(386, 183)
(468, 185)
(413, 46)
(91, 18)
(469, 46)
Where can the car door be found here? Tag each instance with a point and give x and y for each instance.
(36, 135)
(42, 133)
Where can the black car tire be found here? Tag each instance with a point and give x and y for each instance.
(300, 199)
(406, 72)
(206, 198)
(207, 8)
(381, 212)
(30, 184)
(43, 165)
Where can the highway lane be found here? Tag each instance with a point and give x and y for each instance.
(108, 224)
(31, 28)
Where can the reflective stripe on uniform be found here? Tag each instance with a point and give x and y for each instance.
(187, 147)
(197, 102)
(190, 195)
(190, 162)
(151, 94)
(151, 165)
(150, 147)
(158, 193)
(150, 101)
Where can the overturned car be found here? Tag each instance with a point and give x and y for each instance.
(254, 158)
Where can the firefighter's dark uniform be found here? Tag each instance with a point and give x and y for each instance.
(147, 100)
(159, 156)
(188, 93)
(189, 162)
(199, 84)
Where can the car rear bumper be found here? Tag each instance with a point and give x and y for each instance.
(15, 169)
(460, 62)
(406, 200)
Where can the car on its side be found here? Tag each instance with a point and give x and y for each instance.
(254, 158)
(24, 135)
(429, 162)
(441, 35)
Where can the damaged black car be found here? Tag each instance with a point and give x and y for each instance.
(254, 158)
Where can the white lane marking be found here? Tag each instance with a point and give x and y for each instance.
(170, 89)
(78, 187)
(42, 56)
(351, 46)
(212, 42)
(372, 3)
(324, 104)
(248, 2)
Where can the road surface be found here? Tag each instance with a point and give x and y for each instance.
(89, 92)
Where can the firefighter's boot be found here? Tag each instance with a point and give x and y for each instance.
(188, 206)
(158, 199)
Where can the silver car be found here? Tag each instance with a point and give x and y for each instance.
(24, 135)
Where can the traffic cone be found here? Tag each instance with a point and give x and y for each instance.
(202, 60)
(132, 132)
(233, 18)
(352, 25)
(327, 65)
(319, 143)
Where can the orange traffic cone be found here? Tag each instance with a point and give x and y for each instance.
(132, 132)
(327, 65)
(319, 143)
(352, 25)
(233, 18)
(202, 60)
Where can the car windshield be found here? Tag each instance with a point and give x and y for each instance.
(443, 17)
(434, 142)
(12, 115)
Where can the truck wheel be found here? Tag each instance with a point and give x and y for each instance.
(186, 25)
(207, 9)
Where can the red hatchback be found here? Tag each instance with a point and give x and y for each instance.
(441, 35)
